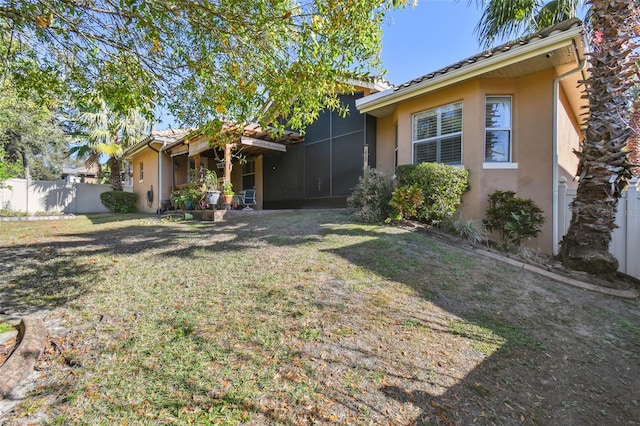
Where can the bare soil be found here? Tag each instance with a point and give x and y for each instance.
(325, 321)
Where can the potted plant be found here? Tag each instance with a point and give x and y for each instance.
(227, 190)
(187, 198)
(211, 187)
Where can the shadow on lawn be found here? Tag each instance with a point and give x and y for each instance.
(51, 274)
(542, 370)
(539, 370)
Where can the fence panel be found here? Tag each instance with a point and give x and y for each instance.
(52, 196)
(625, 240)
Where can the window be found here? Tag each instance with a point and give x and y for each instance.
(249, 174)
(497, 146)
(437, 135)
(141, 171)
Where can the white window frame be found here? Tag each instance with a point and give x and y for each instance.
(507, 164)
(439, 136)
(141, 172)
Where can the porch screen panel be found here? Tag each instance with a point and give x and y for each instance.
(283, 175)
(346, 151)
(353, 122)
(317, 169)
(319, 129)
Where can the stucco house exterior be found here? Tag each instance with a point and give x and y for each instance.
(510, 115)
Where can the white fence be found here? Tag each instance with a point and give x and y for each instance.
(36, 196)
(625, 242)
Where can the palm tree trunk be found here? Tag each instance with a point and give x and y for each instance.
(604, 169)
(114, 164)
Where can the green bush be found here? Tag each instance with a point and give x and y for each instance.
(405, 202)
(442, 186)
(471, 230)
(516, 219)
(119, 201)
(371, 197)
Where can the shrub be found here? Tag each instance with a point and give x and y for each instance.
(371, 197)
(442, 186)
(516, 219)
(405, 202)
(119, 201)
(471, 230)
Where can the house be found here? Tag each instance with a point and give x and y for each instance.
(81, 174)
(510, 115)
(317, 169)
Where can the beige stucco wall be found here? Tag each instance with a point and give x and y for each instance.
(532, 140)
(385, 144)
(149, 159)
(570, 133)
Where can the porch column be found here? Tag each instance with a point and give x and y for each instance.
(227, 162)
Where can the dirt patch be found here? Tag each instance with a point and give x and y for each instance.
(309, 318)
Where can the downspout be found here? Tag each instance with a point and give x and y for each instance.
(554, 173)
(159, 197)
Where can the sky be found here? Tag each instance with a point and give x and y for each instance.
(434, 34)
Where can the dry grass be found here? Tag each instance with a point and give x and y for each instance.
(306, 318)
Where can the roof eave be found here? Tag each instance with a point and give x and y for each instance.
(132, 152)
(516, 54)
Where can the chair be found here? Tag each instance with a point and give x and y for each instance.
(248, 198)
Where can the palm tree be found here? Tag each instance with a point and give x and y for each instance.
(604, 168)
(511, 18)
(110, 133)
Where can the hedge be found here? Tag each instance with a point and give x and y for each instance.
(119, 201)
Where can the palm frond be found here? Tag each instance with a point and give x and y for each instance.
(505, 19)
(110, 149)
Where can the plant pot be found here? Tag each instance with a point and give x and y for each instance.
(213, 197)
(188, 205)
(228, 199)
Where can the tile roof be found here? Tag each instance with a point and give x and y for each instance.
(558, 28)
(170, 135)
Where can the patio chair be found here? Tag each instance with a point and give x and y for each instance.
(248, 198)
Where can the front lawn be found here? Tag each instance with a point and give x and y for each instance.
(306, 318)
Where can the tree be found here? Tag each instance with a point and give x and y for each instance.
(211, 60)
(109, 132)
(604, 168)
(510, 18)
(31, 138)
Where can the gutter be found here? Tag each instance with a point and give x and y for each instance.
(582, 64)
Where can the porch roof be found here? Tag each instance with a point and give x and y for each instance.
(253, 139)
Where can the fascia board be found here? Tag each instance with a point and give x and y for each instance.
(503, 59)
(141, 146)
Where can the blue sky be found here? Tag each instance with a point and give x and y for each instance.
(434, 34)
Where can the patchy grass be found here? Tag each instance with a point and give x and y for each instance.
(306, 318)
(4, 327)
